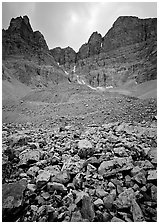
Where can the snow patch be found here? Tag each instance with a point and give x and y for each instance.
(66, 73)
(109, 87)
(74, 69)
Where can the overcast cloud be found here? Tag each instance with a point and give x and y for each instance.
(71, 23)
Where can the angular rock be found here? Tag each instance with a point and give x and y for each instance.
(140, 178)
(56, 186)
(32, 171)
(76, 217)
(152, 175)
(154, 193)
(73, 164)
(136, 211)
(104, 166)
(108, 201)
(152, 154)
(87, 209)
(29, 156)
(124, 199)
(101, 193)
(12, 199)
(62, 177)
(123, 163)
(85, 148)
(42, 179)
(53, 170)
(98, 202)
(31, 187)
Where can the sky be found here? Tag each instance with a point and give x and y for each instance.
(66, 24)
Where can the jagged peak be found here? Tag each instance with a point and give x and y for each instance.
(18, 22)
(95, 36)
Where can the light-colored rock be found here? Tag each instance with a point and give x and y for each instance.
(136, 212)
(124, 200)
(98, 202)
(29, 155)
(42, 178)
(152, 175)
(101, 193)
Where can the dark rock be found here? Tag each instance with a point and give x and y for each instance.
(64, 56)
(108, 201)
(136, 211)
(137, 30)
(87, 209)
(62, 177)
(56, 186)
(154, 193)
(76, 217)
(13, 200)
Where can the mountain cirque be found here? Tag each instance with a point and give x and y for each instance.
(72, 152)
(127, 52)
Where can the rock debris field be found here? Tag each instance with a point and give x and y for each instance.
(105, 173)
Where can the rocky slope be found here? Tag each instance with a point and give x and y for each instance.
(105, 173)
(127, 52)
(26, 56)
(70, 152)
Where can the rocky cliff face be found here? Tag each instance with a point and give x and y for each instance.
(126, 53)
(26, 53)
(129, 30)
(64, 56)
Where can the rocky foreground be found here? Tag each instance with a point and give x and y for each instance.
(105, 173)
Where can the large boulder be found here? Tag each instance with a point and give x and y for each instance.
(13, 200)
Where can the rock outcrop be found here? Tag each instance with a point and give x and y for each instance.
(20, 39)
(129, 30)
(91, 48)
(127, 53)
(26, 55)
(64, 56)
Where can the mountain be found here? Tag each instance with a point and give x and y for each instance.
(128, 51)
(26, 56)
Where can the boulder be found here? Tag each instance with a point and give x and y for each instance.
(42, 179)
(136, 212)
(29, 156)
(87, 209)
(124, 199)
(13, 200)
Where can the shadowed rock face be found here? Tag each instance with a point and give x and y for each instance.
(65, 55)
(91, 48)
(125, 31)
(129, 30)
(20, 39)
(26, 55)
(128, 52)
